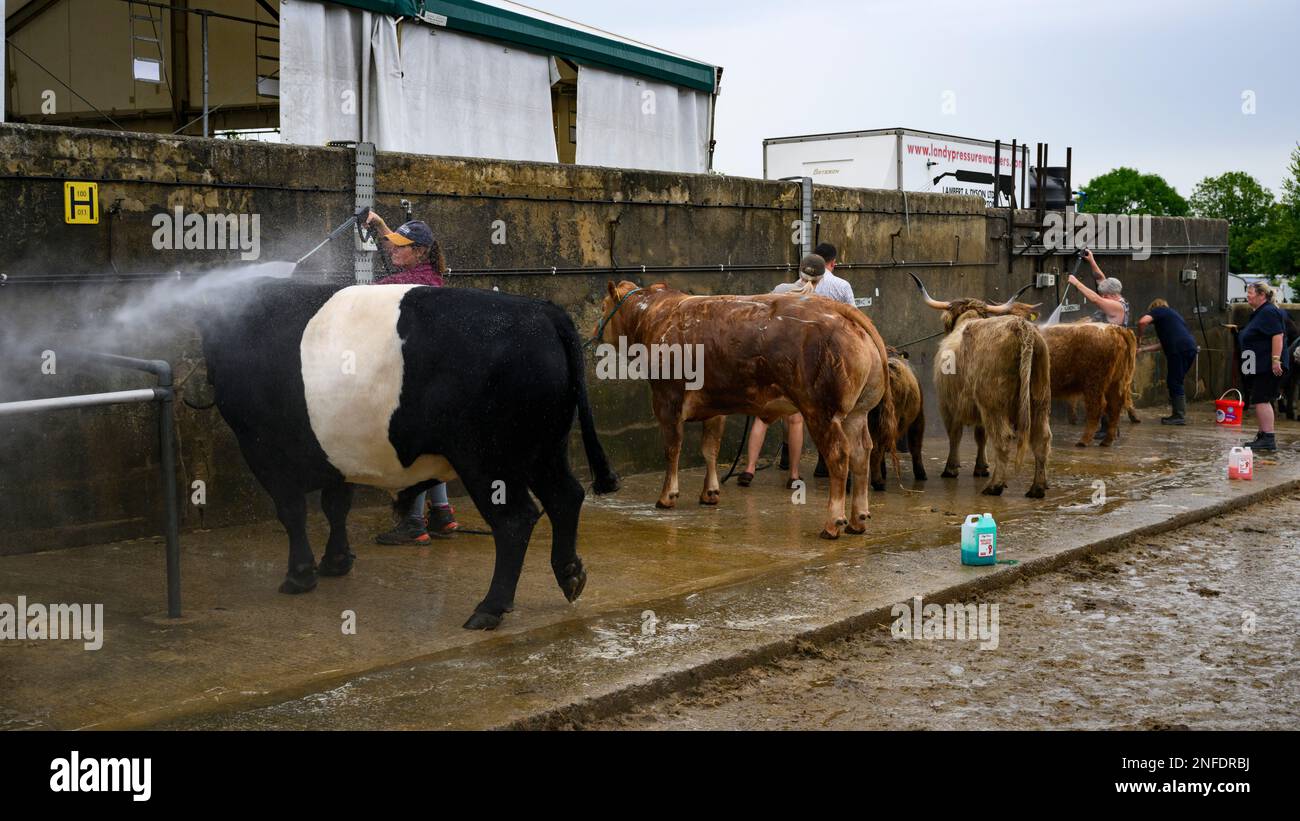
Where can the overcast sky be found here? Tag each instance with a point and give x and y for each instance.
(1149, 84)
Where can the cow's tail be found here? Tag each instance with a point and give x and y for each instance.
(888, 412)
(605, 480)
(1129, 363)
(1024, 411)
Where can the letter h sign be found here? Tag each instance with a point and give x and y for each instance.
(81, 203)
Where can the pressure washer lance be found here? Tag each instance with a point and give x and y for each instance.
(1055, 318)
(358, 219)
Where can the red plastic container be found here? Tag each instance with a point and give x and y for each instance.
(1228, 412)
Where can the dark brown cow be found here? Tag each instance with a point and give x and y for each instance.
(1094, 362)
(766, 356)
(994, 373)
(909, 407)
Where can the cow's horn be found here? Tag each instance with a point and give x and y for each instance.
(929, 300)
(1005, 307)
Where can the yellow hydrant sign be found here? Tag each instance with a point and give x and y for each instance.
(81, 203)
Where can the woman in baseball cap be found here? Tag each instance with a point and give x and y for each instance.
(414, 252)
(418, 260)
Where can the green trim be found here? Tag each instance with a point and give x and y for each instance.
(499, 24)
(393, 8)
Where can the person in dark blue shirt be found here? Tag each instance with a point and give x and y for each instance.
(1262, 364)
(1180, 351)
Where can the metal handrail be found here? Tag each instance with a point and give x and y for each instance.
(164, 395)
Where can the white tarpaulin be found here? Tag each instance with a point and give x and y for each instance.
(630, 122)
(320, 71)
(468, 97)
(348, 74)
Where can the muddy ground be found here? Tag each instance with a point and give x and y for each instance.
(1196, 629)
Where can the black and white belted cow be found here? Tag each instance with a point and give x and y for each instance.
(401, 386)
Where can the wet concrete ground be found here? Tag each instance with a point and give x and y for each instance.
(722, 586)
(1192, 629)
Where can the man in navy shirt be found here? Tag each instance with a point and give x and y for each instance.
(1262, 363)
(1180, 350)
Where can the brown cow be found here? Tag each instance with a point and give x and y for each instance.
(766, 356)
(909, 407)
(994, 373)
(1093, 361)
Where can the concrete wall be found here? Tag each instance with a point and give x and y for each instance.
(79, 476)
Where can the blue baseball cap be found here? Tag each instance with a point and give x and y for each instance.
(414, 232)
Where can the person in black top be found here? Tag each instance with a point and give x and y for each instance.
(1262, 362)
(1180, 351)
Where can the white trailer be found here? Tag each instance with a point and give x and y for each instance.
(897, 158)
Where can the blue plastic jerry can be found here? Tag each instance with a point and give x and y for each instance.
(979, 539)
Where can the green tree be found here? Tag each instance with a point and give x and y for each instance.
(1238, 198)
(1277, 250)
(1126, 191)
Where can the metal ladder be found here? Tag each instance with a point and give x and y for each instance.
(145, 45)
(266, 48)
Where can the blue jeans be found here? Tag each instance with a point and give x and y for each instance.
(437, 494)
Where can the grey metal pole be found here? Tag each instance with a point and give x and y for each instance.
(81, 401)
(205, 73)
(167, 446)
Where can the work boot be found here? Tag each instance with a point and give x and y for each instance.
(1263, 441)
(820, 472)
(442, 521)
(1179, 415)
(410, 531)
(1101, 432)
(784, 464)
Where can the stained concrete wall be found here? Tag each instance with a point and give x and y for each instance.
(77, 476)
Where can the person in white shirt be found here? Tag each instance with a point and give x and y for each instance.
(816, 270)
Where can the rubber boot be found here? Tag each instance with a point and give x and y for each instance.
(1179, 415)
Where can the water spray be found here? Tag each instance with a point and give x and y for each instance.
(1055, 318)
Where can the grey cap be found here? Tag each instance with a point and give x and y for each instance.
(1110, 285)
(812, 267)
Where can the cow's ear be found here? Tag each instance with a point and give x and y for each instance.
(613, 292)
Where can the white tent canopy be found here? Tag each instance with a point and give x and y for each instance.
(628, 122)
(350, 74)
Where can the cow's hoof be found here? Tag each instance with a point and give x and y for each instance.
(1105, 443)
(1081, 444)
(337, 564)
(829, 536)
(299, 580)
(949, 473)
(482, 621)
(709, 497)
(877, 485)
(981, 472)
(662, 505)
(572, 579)
(993, 490)
(862, 520)
(1036, 492)
(918, 473)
